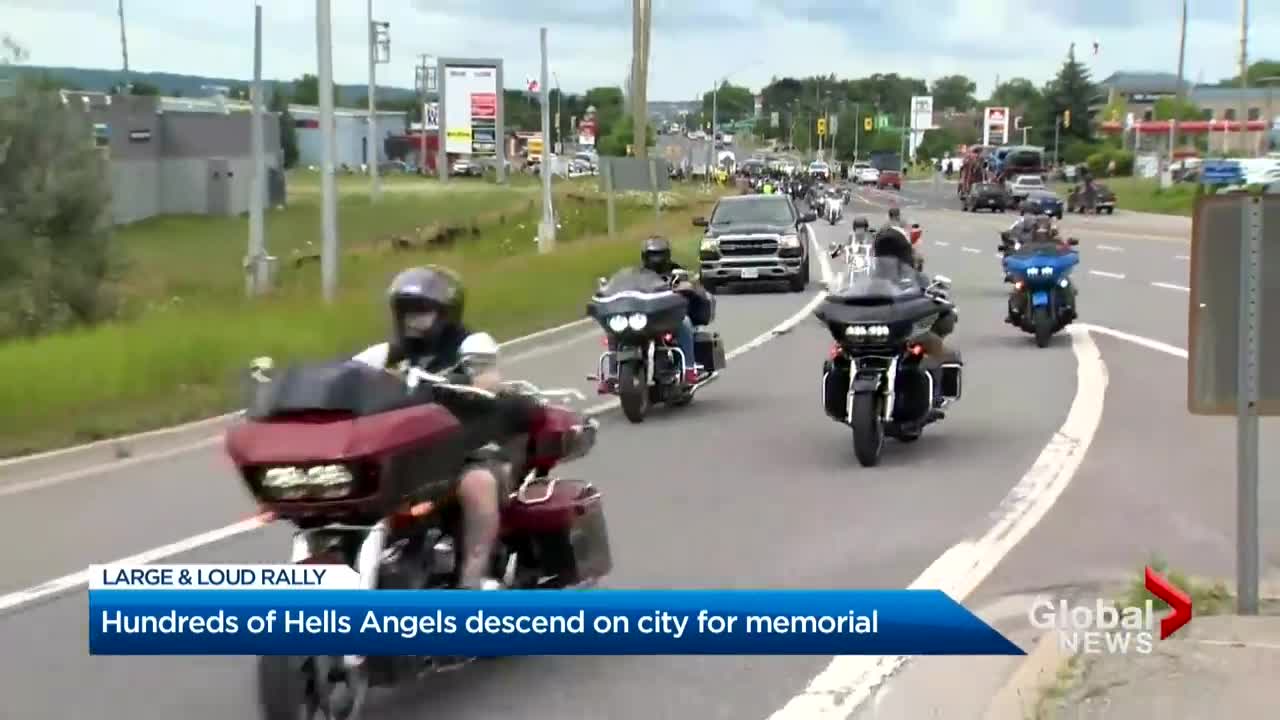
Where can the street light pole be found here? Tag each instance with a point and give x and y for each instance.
(328, 154)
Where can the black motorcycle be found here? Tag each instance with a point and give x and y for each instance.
(644, 365)
(876, 380)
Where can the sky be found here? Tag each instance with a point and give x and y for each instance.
(693, 42)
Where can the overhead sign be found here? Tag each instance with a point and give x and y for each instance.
(922, 112)
(995, 125)
(774, 118)
(471, 110)
(1221, 172)
(883, 121)
(1220, 315)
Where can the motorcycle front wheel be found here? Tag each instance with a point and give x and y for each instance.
(868, 429)
(302, 688)
(633, 391)
(1042, 322)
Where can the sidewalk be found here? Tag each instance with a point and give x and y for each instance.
(1218, 666)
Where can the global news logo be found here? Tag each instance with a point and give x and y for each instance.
(1102, 628)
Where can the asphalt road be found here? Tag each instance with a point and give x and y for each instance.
(751, 486)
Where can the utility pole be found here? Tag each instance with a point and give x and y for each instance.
(371, 132)
(547, 228)
(256, 262)
(424, 96)
(857, 129)
(1244, 75)
(1057, 127)
(328, 154)
(711, 139)
(124, 49)
(640, 16)
(1182, 57)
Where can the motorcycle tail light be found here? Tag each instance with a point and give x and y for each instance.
(834, 352)
(668, 337)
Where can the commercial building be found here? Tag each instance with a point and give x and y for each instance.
(351, 134)
(178, 156)
(1138, 92)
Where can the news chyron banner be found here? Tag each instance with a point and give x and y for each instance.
(319, 610)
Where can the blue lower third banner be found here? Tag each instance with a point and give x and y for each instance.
(536, 622)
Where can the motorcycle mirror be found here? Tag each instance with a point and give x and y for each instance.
(915, 226)
(1072, 241)
(1005, 236)
(942, 280)
(700, 221)
(601, 282)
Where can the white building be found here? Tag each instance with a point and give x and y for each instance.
(350, 129)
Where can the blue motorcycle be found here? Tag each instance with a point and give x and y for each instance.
(1043, 301)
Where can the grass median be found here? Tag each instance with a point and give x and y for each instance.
(178, 357)
(1146, 195)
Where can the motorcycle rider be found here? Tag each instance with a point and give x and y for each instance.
(1043, 238)
(427, 332)
(656, 257)
(893, 242)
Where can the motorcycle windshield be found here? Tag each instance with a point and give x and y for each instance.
(634, 280)
(885, 279)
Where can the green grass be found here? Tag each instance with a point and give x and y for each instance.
(1146, 195)
(1206, 598)
(179, 359)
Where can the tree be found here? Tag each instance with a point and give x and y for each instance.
(57, 259)
(1257, 70)
(288, 128)
(620, 136)
(732, 103)
(954, 92)
(1070, 90)
(143, 88)
(608, 104)
(306, 91)
(1018, 94)
(1172, 108)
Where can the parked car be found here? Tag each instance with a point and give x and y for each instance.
(991, 196)
(1104, 199)
(889, 179)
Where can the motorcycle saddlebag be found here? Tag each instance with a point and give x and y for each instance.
(702, 308)
(708, 349)
(565, 521)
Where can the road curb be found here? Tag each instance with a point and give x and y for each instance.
(1017, 698)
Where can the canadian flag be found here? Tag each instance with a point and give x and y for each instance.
(533, 84)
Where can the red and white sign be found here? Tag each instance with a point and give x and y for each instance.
(484, 105)
(995, 125)
(532, 84)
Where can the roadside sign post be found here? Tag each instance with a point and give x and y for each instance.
(1229, 342)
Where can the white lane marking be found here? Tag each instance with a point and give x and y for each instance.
(1145, 342)
(57, 586)
(970, 250)
(1171, 286)
(1181, 257)
(1103, 273)
(127, 439)
(1110, 248)
(66, 583)
(7, 489)
(942, 244)
(850, 680)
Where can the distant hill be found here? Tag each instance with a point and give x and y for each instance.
(100, 80)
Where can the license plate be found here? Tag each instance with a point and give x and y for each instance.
(1039, 298)
(750, 273)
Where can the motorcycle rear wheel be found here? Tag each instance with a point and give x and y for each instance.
(290, 688)
(868, 429)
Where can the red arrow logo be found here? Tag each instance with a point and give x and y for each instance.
(1179, 602)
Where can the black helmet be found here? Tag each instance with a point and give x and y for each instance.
(1032, 206)
(422, 290)
(892, 242)
(656, 255)
(895, 213)
(861, 223)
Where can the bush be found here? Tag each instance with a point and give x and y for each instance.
(1097, 163)
(1124, 162)
(56, 259)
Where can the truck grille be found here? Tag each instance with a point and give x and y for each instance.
(748, 246)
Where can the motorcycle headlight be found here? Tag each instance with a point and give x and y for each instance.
(1063, 283)
(710, 245)
(1033, 272)
(638, 321)
(618, 323)
(789, 241)
(1046, 271)
(319, 482)
(856, 331)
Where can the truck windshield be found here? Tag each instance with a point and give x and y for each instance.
(768, 210)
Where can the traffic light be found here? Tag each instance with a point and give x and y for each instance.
(866, 123)
(1066, 118)
(822, 126)
(1017, 123)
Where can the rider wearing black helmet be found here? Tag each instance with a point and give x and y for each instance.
(427, 332)
(656, 257)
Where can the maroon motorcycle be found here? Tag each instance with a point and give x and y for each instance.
(365, 470)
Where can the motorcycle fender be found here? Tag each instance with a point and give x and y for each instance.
(624, 354)
(865, 381)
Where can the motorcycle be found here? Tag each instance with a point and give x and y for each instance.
(643, 363)
(362, 462)
(875, 379)
(832, 208)
(1042, 276)
(857, 251)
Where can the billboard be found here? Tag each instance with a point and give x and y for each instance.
(995, 125)
(471, 110)
(922, 112)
